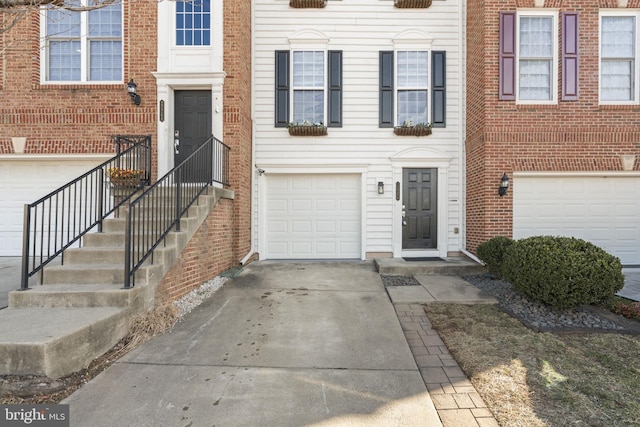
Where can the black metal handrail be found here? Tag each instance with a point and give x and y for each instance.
(61, 218)
(159, 209)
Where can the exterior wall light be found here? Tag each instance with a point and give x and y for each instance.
(380, 187)
(132, 88)
(504, 185)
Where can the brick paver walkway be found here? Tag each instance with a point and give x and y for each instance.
(456, 400)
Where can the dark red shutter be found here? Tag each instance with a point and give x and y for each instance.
(507, 56)
(570, 56)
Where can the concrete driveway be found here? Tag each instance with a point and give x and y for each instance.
(282, 344)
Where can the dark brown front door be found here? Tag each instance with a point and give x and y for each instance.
(192, 123)
(419, 207)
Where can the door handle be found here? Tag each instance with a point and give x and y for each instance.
(176, 145)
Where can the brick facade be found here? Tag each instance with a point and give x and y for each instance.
(503, 136)
(77, 118)
(207, 254)
(237, 117)
(81, 118)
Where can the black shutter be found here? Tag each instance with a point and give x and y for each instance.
(282, 88)
(335, 89)
(438, 89)
(386, 90)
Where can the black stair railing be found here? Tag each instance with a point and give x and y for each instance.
(60, 219)
(158, 210)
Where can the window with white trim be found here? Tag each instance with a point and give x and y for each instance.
(537, 62)
(83, 46)
(618, 54)
(412, 86)
(308, 71)
(193, 23)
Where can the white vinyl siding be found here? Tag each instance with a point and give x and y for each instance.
(360, 29)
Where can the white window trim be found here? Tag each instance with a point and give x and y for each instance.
(308, 88)
(309, 40)
(555, 65)
(411, 40)
(636, 71)
(396, 87)
(174, 28)
(84, 52)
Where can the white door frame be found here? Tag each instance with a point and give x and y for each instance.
(421, 158)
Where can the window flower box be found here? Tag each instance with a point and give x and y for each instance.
(420, 129)
(412, 4)
(125, 178)
(307, 129)
(308, 3)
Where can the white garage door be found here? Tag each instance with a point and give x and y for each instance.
(313, 216)
(602, 210)
(25, 182)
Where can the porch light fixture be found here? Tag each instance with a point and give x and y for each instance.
(380, 187)
(132, 88)
(504, 185)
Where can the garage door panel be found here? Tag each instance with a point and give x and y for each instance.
(604, 211)
(326, 205)
(23, 182)
(322, 216)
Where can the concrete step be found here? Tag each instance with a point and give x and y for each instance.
(117, 239)
(110, 274)
(57, 341)
(455, 266)
(114, 255)
(74, 296)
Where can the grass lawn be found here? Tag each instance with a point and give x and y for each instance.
(541, 379)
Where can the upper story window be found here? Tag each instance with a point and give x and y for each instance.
(618, 57)
(528, 56)
(308, 81)
(193, 23)
(308, 86)
(412, 83)
(83, 46)
(537, 61)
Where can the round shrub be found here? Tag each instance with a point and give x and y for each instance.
(492, 252)
(562, 271)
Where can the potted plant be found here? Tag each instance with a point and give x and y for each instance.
(407, 128)
(307, 128)
(307, 3)
(412, 4)
(124, 182)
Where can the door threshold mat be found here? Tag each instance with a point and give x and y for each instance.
(423, 259)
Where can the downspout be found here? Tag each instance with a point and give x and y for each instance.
(252, 250)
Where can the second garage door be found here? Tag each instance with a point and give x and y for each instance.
(313, 216)
(602, 210)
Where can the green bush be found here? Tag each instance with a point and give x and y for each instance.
(562, 271)
(492, 252)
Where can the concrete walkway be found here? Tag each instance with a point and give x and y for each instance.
(282, 344)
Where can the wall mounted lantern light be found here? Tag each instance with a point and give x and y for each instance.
(132, 88)
(380, 187)
(504, 185)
